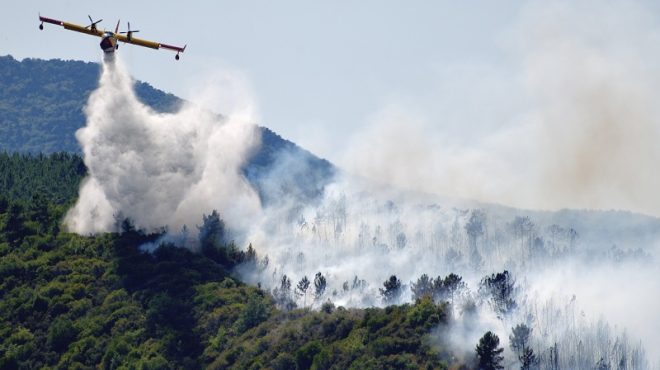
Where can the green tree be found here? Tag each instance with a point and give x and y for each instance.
(489, 352)
(256, 312)
(449, 287)
(60, 333)
(13, 227)
(423, 287)
(391, 291)
(305, 355)
(284, 361)
(211, 237)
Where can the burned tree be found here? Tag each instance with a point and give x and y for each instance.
(519, 340)
(500, 290)
(302, 287)
(319, 286)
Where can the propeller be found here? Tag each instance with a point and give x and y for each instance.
(130, 31)
(93, 24)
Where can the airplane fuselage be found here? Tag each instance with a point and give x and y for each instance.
(109, 42)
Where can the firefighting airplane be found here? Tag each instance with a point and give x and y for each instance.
(110, 40)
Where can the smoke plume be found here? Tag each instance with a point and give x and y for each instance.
(580, 132)
(159, 169)
(568, 121)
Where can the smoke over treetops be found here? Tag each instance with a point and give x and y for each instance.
(159, 169)
(587, 119)
(566, 118)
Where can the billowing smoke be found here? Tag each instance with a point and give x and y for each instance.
(579, 132)
(568, 120)
(160, 169)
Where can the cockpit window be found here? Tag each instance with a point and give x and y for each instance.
(106, 44)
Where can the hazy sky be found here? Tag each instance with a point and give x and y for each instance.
(536, 104)
(318, 70)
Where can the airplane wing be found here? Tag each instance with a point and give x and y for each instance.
(73, 27)
(148, 44)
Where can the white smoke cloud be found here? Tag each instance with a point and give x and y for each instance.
(573, 119)
(582, 115)
(161, 169)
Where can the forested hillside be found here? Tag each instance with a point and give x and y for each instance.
(41, 107)
(55, 177)
(41, 103)
(69, 301)
(466, 277)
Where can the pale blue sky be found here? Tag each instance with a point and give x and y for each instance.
(318, 70)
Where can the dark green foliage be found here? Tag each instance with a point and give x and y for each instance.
(328, 307)
(60, 333)
(13, 225)
(489, 353)
(391, 291)
(371, 338)
(41, 103)
(212, 231)
(256, 312)
(284, 361)
(212, 238)
(423, 287)
(41, 107)
(68, 301)
(305, 355)
(449, 287)
(439, 289)
(214, 245)
(40, 178)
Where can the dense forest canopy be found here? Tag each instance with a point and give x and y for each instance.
(69, 301)
(164, 298)
(41, 107)
(41, 103)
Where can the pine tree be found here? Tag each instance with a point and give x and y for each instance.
(319, 285)
(302, 287)
(501, 290)
(392, 290)
(423, 287)
(489, 354)
(519, 341)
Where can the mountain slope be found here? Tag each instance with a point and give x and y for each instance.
(41, 107)
(41, 103)
(87, 302)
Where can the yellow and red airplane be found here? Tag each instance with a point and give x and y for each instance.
(110, 40)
